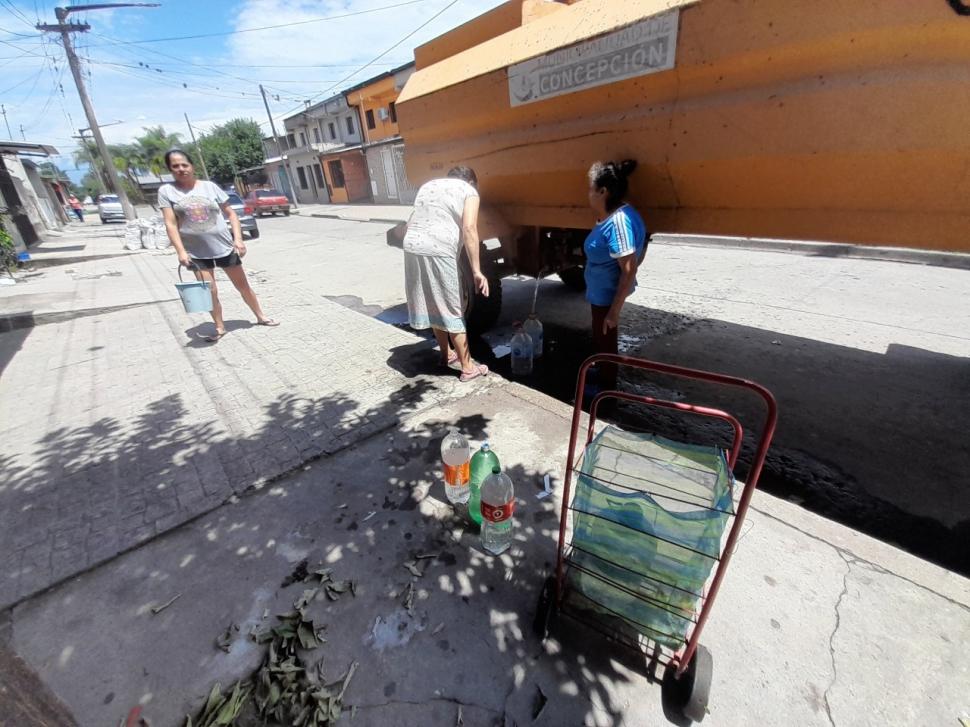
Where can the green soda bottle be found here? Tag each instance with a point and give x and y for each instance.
(481, 467)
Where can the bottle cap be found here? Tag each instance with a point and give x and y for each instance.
(485, 446)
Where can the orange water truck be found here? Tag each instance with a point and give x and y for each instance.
(826, 121)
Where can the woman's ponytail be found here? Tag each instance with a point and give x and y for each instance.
(612, 177)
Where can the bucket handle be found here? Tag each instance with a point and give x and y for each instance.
(192, 266)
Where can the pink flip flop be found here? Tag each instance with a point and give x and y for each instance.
(480, 370)
(452, 362)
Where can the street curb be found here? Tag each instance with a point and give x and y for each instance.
(913, 256)
(378, 220)
(50, 262)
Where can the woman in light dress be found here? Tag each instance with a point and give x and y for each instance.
(444, 221)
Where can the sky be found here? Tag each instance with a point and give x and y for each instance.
(142, 70)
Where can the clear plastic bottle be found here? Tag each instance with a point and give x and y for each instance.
(521, 352)
(483, 462)
(533, 326)
(498, 506)
(455, 460)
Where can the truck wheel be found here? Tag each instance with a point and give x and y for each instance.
(481, 313)
(574, 278)
(254, 233)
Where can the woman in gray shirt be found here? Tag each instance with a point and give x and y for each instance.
(193, 210)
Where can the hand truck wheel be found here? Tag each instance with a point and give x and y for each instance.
(545, 610)
(690, 693)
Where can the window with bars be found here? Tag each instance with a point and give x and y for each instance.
(371, 124)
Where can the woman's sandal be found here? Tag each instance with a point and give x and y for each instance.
(452, 362)
(215, 336)
(480, 370)
(268, 322)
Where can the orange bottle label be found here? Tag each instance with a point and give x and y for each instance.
(458, 475)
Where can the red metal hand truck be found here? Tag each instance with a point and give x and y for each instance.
(648, 516)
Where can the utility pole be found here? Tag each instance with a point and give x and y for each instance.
(3, 110)
(272, 124)
(196, 145)
(22, 134)
(65, 29)
(279, 148)
(99, 173)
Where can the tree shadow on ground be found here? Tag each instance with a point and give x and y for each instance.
(462, 639)
(864, 438)
(12, 337)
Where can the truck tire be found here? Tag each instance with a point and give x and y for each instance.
(481, 313)
(574, 278)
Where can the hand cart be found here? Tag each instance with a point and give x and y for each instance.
(648, 515)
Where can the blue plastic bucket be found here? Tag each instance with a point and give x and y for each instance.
(196, 296)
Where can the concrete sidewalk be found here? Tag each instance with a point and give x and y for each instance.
(214, 470)
(390, 213)
(816, 625)
(121, 422)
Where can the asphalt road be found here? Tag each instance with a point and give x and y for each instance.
(869, 360)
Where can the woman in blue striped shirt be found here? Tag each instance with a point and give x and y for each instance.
(614, 249)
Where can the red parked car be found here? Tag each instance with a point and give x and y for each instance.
(267, 201)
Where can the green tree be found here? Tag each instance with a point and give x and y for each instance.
(125, 157)
(230, 147)
(152, 146)
(90, 186)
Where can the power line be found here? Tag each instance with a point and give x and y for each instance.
(143, 70)
(180, 86)
(274, 27)
(314, 65)
(21, 35)
(50, 97)
(158, 69)
(377, 58)
(17, 47)
(24, 80)
(136, 55)
(181, 61)
(12, 9)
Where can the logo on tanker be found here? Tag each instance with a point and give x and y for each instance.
(522, 90)
(648, 46)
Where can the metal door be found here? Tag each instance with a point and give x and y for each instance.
(387, 159)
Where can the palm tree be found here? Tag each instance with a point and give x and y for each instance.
(129, 159)
(87, 153)
(154, 143)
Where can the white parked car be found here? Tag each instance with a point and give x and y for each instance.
(109, 208)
